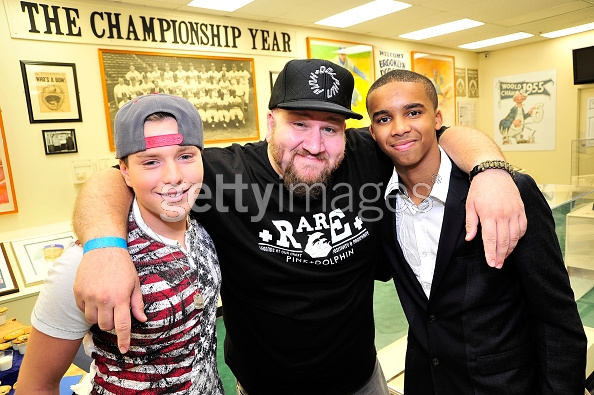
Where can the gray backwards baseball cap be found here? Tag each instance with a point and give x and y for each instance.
(129, 124)
(316, 85)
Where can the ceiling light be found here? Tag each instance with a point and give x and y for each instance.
(569, 30)
(219, 5)
(363, 13)
(496, 40)
(440, 30)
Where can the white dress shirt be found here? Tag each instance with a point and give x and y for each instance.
(418, 227)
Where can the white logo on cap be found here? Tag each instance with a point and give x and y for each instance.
(316, 88)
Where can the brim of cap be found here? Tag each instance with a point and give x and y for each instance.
(314, 105)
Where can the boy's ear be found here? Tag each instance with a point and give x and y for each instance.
(438, 119)
(124, 171)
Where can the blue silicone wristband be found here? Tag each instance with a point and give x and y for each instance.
(105, 242)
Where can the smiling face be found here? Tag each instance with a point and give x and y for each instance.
(305, 147)
(403, 122)
(166, 180)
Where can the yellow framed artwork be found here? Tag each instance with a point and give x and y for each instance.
(8, 203)
(440, 69)
(355, 57)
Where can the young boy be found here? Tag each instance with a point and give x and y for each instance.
(158, 140)
(472, 329)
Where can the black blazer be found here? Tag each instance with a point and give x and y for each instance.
(487, 331)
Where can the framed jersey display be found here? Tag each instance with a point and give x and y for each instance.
(221, 88)
(51, 90)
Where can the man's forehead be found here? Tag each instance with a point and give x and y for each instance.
(314, 115)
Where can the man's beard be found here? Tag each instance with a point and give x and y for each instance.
(314, 187)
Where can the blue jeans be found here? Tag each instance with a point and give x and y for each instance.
(376, 385)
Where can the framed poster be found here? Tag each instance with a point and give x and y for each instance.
(51, 91)
(8, 204)
(355, 57)
(440, 70)
(59, 141)
(460, 82)
(8, 284)
(472, 82)
(34, 255)
(525, 108)
(206, 81)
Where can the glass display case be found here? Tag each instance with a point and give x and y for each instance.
(582, 162)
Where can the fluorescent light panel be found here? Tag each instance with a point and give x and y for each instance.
(569, 30)
(363, 13)
(440, 30)
(219, 5)
(496, 40)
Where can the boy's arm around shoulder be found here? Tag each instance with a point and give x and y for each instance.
(560, 340)
(106, 285)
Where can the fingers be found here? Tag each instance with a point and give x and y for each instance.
(105, 316)
(123, 324)
(137, 303)
(472, 222)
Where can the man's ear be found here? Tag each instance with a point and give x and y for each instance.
(270, 124)
(438, 120)
(371, 131)
(124, 171)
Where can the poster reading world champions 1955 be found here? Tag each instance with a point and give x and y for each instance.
(524, 113)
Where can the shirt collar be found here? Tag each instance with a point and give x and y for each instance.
(442, 180)
(149, 231)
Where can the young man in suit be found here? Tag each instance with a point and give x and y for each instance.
(472, 329)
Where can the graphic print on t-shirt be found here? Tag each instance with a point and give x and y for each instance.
(317, 239)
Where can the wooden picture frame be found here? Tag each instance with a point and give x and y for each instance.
(358, 59)
(51, 91)
(129, 66)
(59, 141)
(35, 254)
(8, 203)
(440, 69)
(8, 284)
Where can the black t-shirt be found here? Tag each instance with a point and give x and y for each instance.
(298, 275)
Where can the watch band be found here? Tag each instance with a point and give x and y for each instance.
(492, 164)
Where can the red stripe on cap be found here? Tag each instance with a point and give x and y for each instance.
(163, 140)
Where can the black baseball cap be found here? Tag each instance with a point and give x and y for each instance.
(316, 85)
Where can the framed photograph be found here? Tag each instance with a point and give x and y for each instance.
(273, 77)
(51, 90)
(59, 141)
(355, 57)
(8, 204)
(8, 284)
(221, 88)
(34, 255)
(440, 70)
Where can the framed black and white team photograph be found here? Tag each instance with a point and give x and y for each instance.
(221, 88)
(59, 141)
